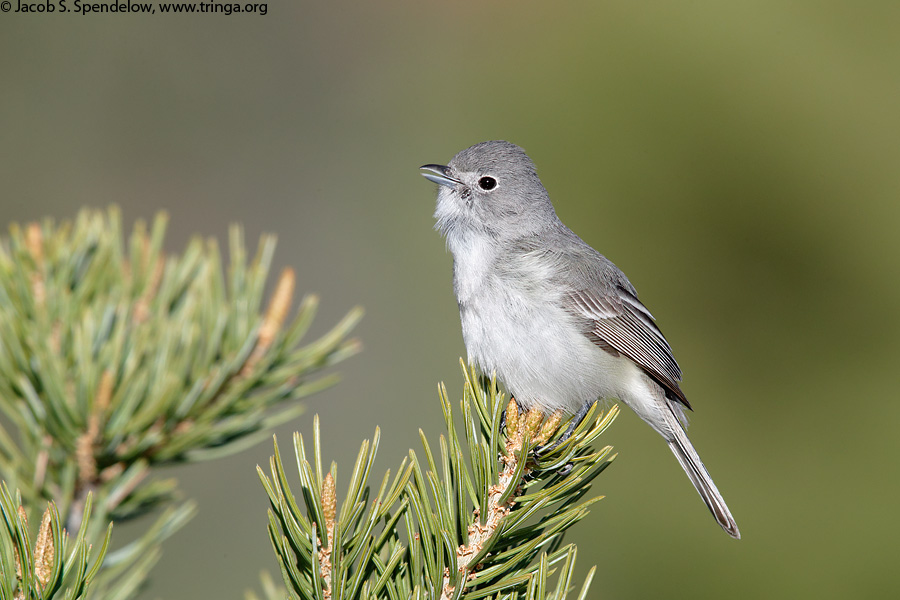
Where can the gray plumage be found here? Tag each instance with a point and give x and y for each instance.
(559, 324)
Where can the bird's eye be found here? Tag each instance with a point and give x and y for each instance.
(487, 183)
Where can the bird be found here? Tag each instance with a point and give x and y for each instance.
(556, 321)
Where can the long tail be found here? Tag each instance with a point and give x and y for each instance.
(684, 451)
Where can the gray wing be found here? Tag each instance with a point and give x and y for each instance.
(603, 299)
(619, 323)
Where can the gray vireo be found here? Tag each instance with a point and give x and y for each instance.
(559, 324)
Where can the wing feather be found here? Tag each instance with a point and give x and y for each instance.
(621, 322)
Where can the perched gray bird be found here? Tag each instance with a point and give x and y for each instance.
(559, 324)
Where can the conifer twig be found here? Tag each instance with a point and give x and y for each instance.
(482, 518)
(497, 547)
(54, 564)
(116, 357)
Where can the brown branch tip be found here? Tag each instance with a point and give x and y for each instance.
(274, 319)
(329, 508)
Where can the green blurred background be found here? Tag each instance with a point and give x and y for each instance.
(740, 161)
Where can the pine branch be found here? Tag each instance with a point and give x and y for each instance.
(496, 527)
(44, 572)
(324, 553)
(116, 358)
(482, 518)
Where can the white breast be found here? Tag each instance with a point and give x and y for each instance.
(512, 326)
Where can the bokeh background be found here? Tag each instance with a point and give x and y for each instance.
(740, 161)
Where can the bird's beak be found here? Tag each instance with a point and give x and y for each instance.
(440, 174)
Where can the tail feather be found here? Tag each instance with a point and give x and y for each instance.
(690, 461)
